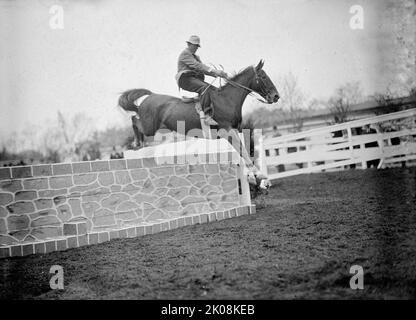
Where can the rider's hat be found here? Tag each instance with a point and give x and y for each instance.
(194, 40)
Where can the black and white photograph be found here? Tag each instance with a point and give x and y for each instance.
(207, 155)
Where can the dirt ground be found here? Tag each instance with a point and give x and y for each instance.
(307, 234)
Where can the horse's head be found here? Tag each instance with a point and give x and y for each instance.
(263, 85)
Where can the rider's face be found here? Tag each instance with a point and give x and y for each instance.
(192, 47)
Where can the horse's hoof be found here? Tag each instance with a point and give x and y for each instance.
(265, 184)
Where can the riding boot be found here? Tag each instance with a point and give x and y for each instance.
(207, 105)
(210, 121)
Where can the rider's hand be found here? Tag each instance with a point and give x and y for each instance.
(220, 73)
(216, 72)
(223, 74)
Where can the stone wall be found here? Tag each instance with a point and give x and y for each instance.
(60, 202)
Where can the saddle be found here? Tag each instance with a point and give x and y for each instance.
(190, 99)
(195, 100)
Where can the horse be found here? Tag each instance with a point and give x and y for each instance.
(158, 111)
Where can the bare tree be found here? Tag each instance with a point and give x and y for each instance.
(316, 104)
(292, 100)
(386, 100)
(64, 138)
(344, 97)
(393, 101)
(399, 54)
(57, 140)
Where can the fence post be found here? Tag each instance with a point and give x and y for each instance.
(262, 159)
(380, 145)
(308, 149)
(363, 163)
(350, 145)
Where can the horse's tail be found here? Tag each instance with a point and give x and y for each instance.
(127, 98)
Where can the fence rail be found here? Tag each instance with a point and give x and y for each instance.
(380, 141)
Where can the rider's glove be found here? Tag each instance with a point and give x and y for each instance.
(223, 74)
(220, 73)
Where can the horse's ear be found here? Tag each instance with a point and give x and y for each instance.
(260, 65)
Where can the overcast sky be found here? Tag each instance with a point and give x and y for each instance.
(108, 46)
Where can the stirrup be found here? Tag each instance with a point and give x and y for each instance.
(210, 121)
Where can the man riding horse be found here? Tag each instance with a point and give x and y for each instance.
(155, 111)
(191, 75)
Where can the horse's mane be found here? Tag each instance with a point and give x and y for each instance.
(234, 77)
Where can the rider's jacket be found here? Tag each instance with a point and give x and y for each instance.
(189, 62)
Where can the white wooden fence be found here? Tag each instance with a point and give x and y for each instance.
(382, 141)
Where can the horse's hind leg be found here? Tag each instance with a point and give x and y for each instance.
(138, 134)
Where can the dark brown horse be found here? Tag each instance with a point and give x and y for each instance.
(158, 111)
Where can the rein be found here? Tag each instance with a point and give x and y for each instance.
(236, 84)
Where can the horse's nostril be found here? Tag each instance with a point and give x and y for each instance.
(276, 98)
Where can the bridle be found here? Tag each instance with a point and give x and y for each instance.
(259, 82)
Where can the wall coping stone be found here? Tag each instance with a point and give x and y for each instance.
(71, 168)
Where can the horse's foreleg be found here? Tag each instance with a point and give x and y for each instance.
(138, 136)
(255, 176)
(251, 170)
(240, 147)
